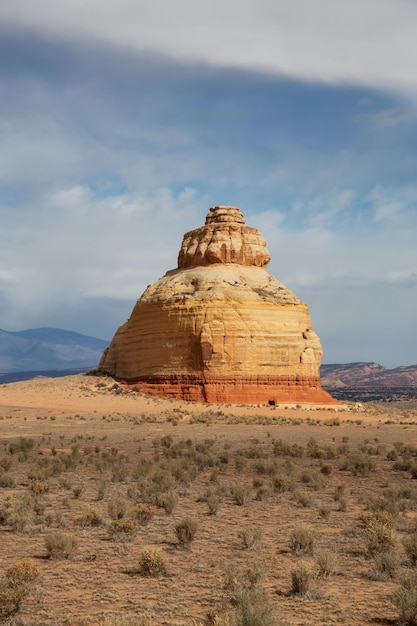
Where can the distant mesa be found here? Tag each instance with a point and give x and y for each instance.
(219, 328)
(47, 349)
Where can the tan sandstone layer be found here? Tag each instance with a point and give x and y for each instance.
(219, 328)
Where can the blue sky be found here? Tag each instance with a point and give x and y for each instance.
(122, 123)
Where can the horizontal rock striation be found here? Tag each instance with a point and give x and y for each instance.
(219, 328)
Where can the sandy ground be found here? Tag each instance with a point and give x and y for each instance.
(112, 432)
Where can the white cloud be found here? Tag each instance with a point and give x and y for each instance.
(75, 245)
(386, 118)
(359, 287)
(405, 278)
(80, 261)
(371, 43)
(321, 211)
(394, 203)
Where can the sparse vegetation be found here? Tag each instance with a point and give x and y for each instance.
(297, 504)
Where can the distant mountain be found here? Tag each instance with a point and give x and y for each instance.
(367, 375)
(48, 349)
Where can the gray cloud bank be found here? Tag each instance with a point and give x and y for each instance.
(365, 43)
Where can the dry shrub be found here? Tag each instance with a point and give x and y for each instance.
(7, 481)
(404, 599)
(144, 513)
(302, 497)
(89, 518)
(301, 579)
(250, 536)
(326, 563)
(17, 513)
(152, 562)
(117, 508)
(379, 532)
(122, 529)
(38, 487)
(15, 586)
(11, 597)
(280, 483)
(249, 604)
(60, 545)
(186, 530)
(386, 565)
(302, 541)
(410, 547)
(168, 501)
(253, 608)
(213, 499)
(23, 571)
(241, 494)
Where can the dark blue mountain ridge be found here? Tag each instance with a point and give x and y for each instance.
(48, 349)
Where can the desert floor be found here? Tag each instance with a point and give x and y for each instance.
(272, 497)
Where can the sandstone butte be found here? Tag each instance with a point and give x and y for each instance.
(219, 328)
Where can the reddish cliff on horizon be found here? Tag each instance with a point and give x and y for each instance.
(219, 328)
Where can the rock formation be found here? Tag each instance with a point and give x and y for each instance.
(219, 328)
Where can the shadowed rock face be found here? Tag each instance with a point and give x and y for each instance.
(219, 328)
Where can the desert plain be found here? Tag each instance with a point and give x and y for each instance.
(131, 510)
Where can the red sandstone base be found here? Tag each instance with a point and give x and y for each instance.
(239, 390)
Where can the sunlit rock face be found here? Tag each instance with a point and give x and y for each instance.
(219, 328)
